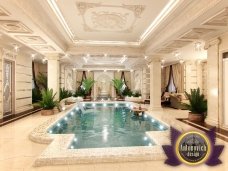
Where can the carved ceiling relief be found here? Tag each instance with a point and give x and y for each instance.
(98, 17)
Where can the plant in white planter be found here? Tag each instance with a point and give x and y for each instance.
(197, 106)
(47, 103)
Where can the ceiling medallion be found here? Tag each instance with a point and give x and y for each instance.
(97, 17)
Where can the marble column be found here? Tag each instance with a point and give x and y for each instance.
(212, 48)
(155, 86)
(53, 73)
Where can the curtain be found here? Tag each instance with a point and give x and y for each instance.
(178, 77)
(166, 74)
(127, 76)
(78, 79)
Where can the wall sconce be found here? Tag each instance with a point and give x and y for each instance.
(44, 60)
(33, 55)
(16, 48)
(181, 61)
(198, 46)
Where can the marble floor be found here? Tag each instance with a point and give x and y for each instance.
(17, 152)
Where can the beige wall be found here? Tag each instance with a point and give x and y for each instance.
(216, 47)
(22, 85)
(192, 75)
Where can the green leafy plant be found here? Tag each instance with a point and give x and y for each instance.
(79, 93)
(63, 93)
(127, 92)
(197, 102)
(87, 85)
(136, 94)
(118, 84)
(48, 101)
(36, 95)
(41, 80)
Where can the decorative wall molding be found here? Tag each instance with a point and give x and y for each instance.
(215, 41)
(9, 54)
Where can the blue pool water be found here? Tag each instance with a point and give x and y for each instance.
(106, 125)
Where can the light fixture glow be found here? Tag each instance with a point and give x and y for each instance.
(65, 118)
(145, 138)
(75, 139)
(58, 124)
(181, 61)
(198, 46)
(161, 127)
(50, 131)
(33, 56)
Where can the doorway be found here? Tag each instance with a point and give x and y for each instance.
(8, 86)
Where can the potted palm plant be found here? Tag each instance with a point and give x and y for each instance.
(197, 106)
(118, 84)
(47, 103)
(87, 85)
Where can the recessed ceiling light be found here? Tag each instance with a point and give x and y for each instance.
(131, 70)
(145, 57)
(162, 61)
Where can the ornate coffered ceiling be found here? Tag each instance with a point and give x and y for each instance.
(12, 26)
(196, 33)
(110, 22)
(133, 28)
(220, 19)
(31, 39)
(3, 12)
